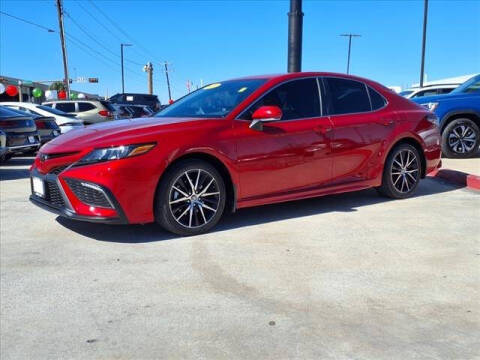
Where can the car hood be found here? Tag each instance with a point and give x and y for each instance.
(117, 132)
(436, 98)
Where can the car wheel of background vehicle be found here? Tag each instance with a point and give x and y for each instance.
(5, 157)
(190, 198)
(401, 173)
(460, 139)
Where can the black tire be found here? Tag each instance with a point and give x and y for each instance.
(460, 145)
(5, 157)
(202, 218)
(398, 183)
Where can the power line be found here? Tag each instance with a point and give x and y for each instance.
(95, 40)
(146, 51)
(28, 22)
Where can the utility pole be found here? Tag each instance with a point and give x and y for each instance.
(349, 48)
(121, 60)
(149, 70)
(66, 79)
(295, 26)
(422, 66)
(168, 82)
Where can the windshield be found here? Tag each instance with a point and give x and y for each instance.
(214, 100)
(55, 111)
(405, 93)
(470, 86)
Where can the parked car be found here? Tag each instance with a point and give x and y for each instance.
(459, 118)
(21, 133)
(47, 128)
(140, 111)
(236, 144)
(136, 99)
(428, 91)
(65, 121)
(3, 144)
(90, 111)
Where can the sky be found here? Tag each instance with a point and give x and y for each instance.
(208, 41)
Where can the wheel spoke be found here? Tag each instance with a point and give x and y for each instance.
(203, 214)
(198, 178)
(210, 194)
(413, 178)
(398, 178)
(180, 191)
(179, 200)
(183, 213)
(206, 187)
(190, 182)
(190, 217)
(208, 207)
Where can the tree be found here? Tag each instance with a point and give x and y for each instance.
(57, 86)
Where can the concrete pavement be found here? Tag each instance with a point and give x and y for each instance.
(351, 276)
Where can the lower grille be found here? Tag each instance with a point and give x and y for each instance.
(53, 194)
(89, 194)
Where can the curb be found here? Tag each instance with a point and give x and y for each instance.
(457, 177)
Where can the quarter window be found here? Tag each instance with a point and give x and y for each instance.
(297, 99)
(66, 107)
(83, 106)
(378, 101)
(346, 96)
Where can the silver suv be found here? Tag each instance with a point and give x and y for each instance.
(90, 111)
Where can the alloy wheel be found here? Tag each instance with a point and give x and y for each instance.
(194, 198)
(405, 171)
(462, 139)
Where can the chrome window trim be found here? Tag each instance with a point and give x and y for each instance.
(276, 86)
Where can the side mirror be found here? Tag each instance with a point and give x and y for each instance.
(265, 114)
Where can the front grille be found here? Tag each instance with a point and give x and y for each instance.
(89, 194)
(53, 194)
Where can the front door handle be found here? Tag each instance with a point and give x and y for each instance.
(322, 130)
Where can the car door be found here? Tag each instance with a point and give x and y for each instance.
(360, 127)
(289, 154)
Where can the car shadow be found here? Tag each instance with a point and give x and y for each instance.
(14, 168)
(347, 202)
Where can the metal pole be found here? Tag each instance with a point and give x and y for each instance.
(121, 60)
(422, 66)
(66, 79)
(349, 48)
(295, 26)
(168, 82)
(150, 78)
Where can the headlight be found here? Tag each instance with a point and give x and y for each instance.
(115, 153)
(431, 105)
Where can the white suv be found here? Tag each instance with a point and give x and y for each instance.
(90, 111)
(432, 90)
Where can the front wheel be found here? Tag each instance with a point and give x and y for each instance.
(190, 198)
(460, 139)
(402, 172)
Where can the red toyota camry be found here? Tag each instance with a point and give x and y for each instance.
(239, 143)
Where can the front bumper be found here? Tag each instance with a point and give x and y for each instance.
(57, 201)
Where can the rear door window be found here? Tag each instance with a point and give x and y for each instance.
(346, 96)
(66, 107)
(377, 100)
(84, 106)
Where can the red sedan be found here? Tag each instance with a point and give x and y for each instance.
(239, 143)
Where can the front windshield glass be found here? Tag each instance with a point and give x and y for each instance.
(470, 86)
(214, 100)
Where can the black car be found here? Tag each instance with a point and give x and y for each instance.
(46, 126)
(136, 99)
(21, 133)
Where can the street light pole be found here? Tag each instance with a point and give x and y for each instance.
(424, 39)
(121, 60)
(349, 48)
(295, 25)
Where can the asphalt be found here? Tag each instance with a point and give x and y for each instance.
(351, 276)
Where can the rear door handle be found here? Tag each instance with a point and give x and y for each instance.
(385, 122)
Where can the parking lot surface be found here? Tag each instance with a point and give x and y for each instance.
(351, 276)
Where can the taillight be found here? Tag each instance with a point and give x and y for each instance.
(105, 113)
(40, 124)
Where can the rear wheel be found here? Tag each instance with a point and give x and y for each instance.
(401, 173)
(460, 139)
(190, 198)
